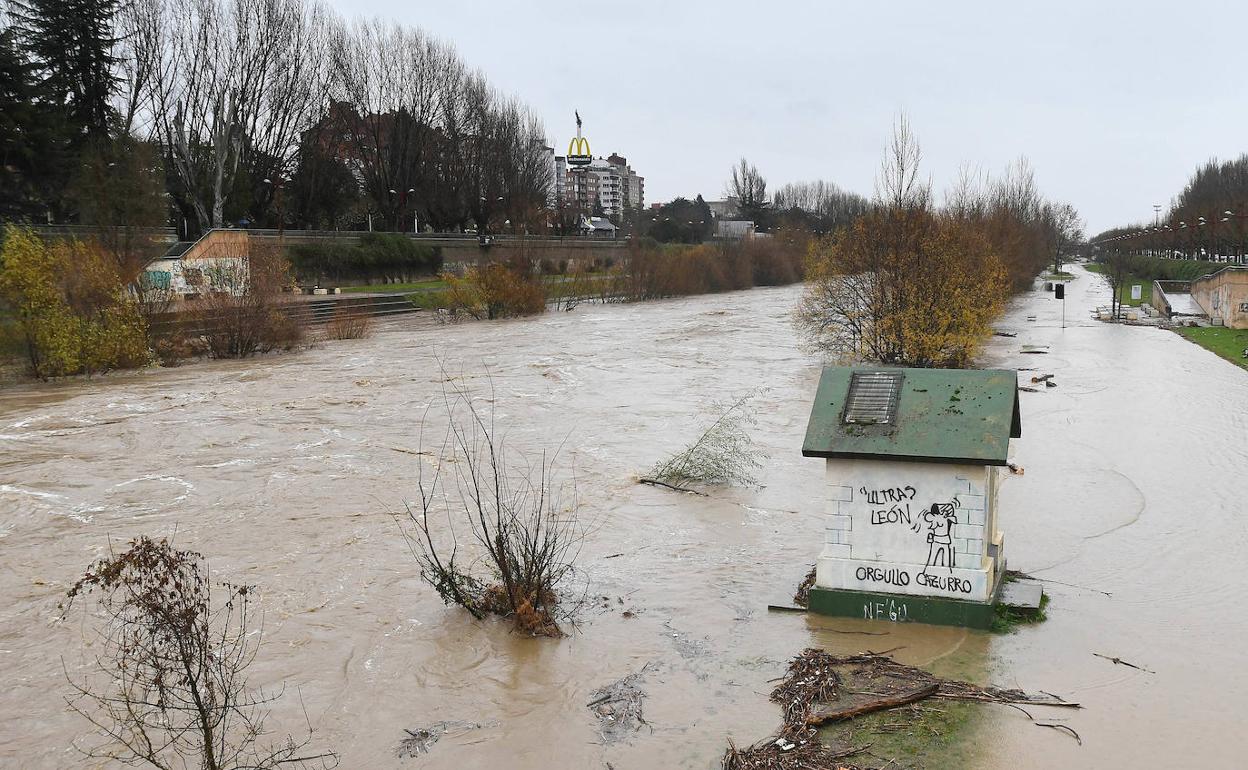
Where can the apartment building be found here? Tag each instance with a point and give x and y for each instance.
(609, 182)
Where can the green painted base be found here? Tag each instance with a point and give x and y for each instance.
(899, 608)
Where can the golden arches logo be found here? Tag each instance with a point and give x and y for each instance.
(578, 147)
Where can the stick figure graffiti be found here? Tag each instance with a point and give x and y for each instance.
(939, 521)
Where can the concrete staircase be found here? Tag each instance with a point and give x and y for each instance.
(323, 309)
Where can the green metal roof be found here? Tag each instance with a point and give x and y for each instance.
(942, 415)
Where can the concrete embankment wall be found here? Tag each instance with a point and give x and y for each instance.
(1224, 296)
(1162, 291)
(461, 251)
(573, 252)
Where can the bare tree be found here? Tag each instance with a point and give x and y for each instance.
(824, 204)
(170, 688)
(393, 78)
(898, 186)
(967, 200)
(1117, 261)
(749, 187)
(1063, 230)
(518, 515)
(137, 48)
(230, 83)
(237, 91)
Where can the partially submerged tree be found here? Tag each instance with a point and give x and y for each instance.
(496, 290)
(904, 285)
(1117, 262)
(170, 687)
(1063, 230)
(519, 520)
(908, 289)
(723, 454)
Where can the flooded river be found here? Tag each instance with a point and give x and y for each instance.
(286, 471)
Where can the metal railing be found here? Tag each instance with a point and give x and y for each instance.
(495, 238)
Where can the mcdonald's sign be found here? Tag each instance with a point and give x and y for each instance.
(578, 150)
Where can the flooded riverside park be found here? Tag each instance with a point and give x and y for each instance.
(287, 472)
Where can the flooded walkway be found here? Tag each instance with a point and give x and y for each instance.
(286, 472)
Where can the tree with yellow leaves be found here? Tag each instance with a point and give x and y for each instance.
(903, 285)
(496, 290)
(69, 310)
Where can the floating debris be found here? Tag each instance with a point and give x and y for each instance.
(421, 740)
(802, 597)
(618, 707)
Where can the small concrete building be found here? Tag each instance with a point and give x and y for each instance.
(733, 229)
(1223, 296)
(216, 262)
(912, 460)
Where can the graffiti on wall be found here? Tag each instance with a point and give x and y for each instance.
(890, 505)
(898, 612)
(907, 534)
(935, 525)
(938, 522)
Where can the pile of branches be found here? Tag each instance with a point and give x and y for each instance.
(780, 754)
(802, 597)
(814, 692)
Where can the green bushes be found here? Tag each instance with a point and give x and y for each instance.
(1159, 269)
(66, 307)
(377, 257)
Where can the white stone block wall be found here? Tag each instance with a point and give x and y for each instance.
(878, 516)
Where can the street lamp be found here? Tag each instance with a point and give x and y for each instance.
(278, 188)
(1239, 228)
(403, 200)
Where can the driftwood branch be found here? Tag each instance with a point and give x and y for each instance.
(1120, 662)
(1067, 728)
(822, 715)
(657, 483)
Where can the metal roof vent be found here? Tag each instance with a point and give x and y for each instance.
(872, 398)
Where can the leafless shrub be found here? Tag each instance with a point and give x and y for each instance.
(243, 311)
(349, 323)
(521, 520)
(166, 334)
(723, 454)
(169, 688)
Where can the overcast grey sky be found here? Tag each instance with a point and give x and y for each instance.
(1114, 103)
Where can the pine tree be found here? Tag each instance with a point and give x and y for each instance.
(71, 43)
(21, 131)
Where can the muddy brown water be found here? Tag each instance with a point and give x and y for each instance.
(285, 472)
